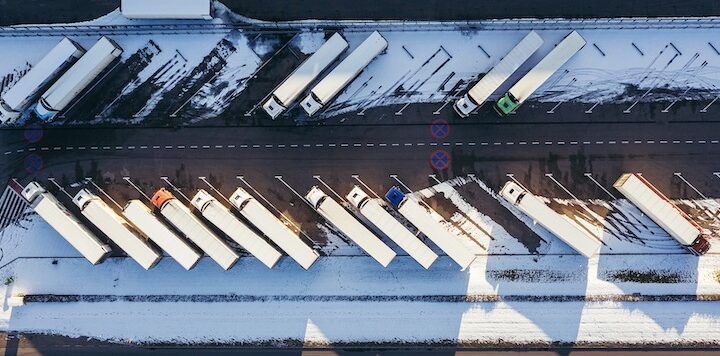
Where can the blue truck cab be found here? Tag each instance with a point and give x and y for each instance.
(395, 196)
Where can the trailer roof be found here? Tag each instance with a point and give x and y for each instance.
(166, 9)
(309, 70)
(41, 73)
(422, 218)
(70, 228)
(335, 214)
(550, 219)
(378, 216)
(658, 207)
(273, 228)
(82, 73)
(350, 67)
(142, 217)
(505, 68)
(547, 66)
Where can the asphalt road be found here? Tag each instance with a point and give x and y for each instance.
(57, 11)
(33, 344)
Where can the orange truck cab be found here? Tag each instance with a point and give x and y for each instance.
(160, 197)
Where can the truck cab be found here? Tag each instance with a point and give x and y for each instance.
(32, 190)
(273, 107)
(201, 199)
(395, 196)
(160, 197)
(316, 196)
(240, 197)
(44, 111)
(700, 246)
(506, 104)
(357, 197)
(464, 106)
(82, 198)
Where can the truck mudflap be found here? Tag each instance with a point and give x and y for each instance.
(700, 246)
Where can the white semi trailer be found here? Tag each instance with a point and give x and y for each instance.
(493, 79)
(663, 212)
(179, 216)
(294, 85)
(388, 225)
(344, 73)
(77, 78)
(167, 9)
(550, 220)
(422, 218)
(117, 229)
(273, 228)
(68, 226)
(335, 214)
(142, 217)
(542, 71)
(19, 97)
(220, 216)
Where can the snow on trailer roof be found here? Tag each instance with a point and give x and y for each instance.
(166, 9)
(422, 217)
(344, 73)
(392, 228)
(335, 214)
(273, 228)
(658, 207)
(78, 77)
(550, 220)
(64, 53)
(304, 75)
(505, 68)
(547, 66)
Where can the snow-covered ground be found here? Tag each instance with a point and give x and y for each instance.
(617, 65)
(513, 292)
(507, 295)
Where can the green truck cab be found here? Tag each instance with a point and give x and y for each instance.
(506, 104)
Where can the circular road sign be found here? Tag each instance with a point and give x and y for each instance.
(440, 160)
(33, 163)
(33, 133)
(440, 128)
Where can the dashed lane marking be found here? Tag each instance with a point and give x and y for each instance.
(370, 144)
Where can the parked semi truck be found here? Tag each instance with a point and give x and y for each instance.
(220, 216)
(77, 78)
(335, 214)
(549, 219)
(117, 229)
(167, 9)
(273, 228)
(493, 79)
(422, 217)
(294, 85)
(388, 225)
(663, 212)
(180, 250)
(179, 216)
(537, 76)
(26, 90)
(344, 73)
(68, 226)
